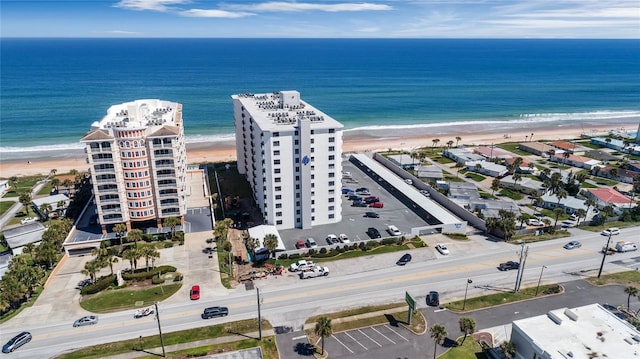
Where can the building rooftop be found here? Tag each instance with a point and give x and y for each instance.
(52, 200)
(428, 171)
(465, 155)
(260, 232)
(22, 235)
(524, 182)
(609, 195)
(493, 152)
(281, 111)
(488, 165)
(589, 331)
(570, 201)
(538, 146)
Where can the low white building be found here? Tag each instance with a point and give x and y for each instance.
(259, 232)
(53, 201)
(589, 331)
(487, 168)
(20, 236)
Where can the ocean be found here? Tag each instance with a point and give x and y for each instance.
(53, 89)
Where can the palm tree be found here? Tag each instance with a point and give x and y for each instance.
(131, 255)
(55, 182)
(120, 229)
(516, 177)
(522, 218)
(491, 223)
(172, 222)
(596, 170)
(590, 203)
(53, 172)
(508, 349)
(438, 334)
(630, 291)
(148, 252)
(134, 235)
(613, 173)
(566, 156)
(323, 329)
(60, 206)
(449, 143)
(435, 142)
(46, 208)
(252, 244)
(25, 199)
(537, 202)
(91, 268)
(467, 326)
(557, 211)
(547, 222)
(270, 242)
(495, 185)
(561, 194)
(580, 213)
(67, 183)
(458, 139)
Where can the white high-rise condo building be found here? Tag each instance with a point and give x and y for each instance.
(290, 152)
(137, 159)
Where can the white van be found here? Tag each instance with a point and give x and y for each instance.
(626, 247)
(611, 231)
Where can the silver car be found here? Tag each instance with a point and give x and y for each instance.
(16, 342)
(86, 320)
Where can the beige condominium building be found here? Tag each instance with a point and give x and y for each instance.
(290, 152)
(137, 160)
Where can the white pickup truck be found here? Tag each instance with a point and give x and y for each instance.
(301, 265)
(316, 271)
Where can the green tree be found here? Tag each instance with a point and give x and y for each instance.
(148, 252)
(67, 183)
(467, 326)
(120, 229)
(557, 212)
(172, 222)
(516, 177)
(508, 349)
(46, 208)
(458, 139)
(55, 182)
(630, 291)
(523, 218)
(251, 244)
(221, 228)
(134, 235)
(495, 185)
(580, 213)
(91, 268)
(270, 242)
(323, 329)
(60, 206)
(132, 256)
(438, 333)
(47, 253)
(25, 199)
(449, 143)
(434, 143)
(537, 203)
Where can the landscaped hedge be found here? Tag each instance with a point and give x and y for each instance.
(141, 275)
(100, 285)
(157, 280)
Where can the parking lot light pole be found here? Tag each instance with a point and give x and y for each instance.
(464, 302)
(539, 279)
(605, 250)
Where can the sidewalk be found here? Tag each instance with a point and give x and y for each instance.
(136, 353)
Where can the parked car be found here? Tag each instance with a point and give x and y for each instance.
(433, 299)
(425, 193)
(311, 243)
(354, 197)
(393, 230)
(212, 312)
(509, 265)
(358, 204)
(346, 190)
(300, 244)
(16, 342)
(535, 222)
(442, 249)
(194, 293)
(371, 199)
(343, 238)
(362, 189)
(376, 205)
(332, 239)
(29, 220)
(610, 231)
(86, 320)
(572, 245)
(373, 233)
(406, 258)
(372, 215)
(144, 312)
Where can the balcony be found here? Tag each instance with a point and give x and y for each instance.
(104, 170)
(112, 210)
(164, 155)
(109, 200)
(106, 180)
(102, 159)
(167, 185)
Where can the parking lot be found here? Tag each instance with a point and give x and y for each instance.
(377, 341)
(354, 223)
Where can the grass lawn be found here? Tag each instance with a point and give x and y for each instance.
(476, 177)
(470, 349)
(513, 147)
(121, 299)
(601, 227)
(4, 206)
(511, 194)
(183, 336)
(450, 178)
(24, 184)
(457, 236)
(356, 311)
(628, 278)
(588, 185)
(604, 182)
(589, 145)
(543, 237)
(549, 213)
(267, 346)
(223, 258)
(491, 300)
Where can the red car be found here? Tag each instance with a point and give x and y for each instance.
(194, 294)
(300, 244)
(376, 205)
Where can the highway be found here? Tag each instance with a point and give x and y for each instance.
(291, 304)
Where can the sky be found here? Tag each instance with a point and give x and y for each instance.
(590, 19)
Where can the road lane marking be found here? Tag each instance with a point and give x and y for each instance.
(386, 337)
(298, 338)
(398, 334)
(365, 334)
(354, 339)
(341, 343)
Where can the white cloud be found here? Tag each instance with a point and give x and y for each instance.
(279, 6)
(215, 13)
(155, 5)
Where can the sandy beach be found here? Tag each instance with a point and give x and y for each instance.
(352, 142)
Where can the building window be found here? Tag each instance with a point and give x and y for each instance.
(332, 139)
(277, 179)
(278, 196)
(332, 157)
(276, 162)
(297, 186)
(332, 148)
(298, 211)
(276, 143)
(331, 216)
(332, 174)
(332, 183)
(296, 142)
(296, 151)
(278, 189)
(331, 200)
(297, 195)
(279, 221)
(332, 130)
(276, 134)
(277, 170)
(332, 166)
(331, 208)
(297, 169)
(313, 140)
(278, 205)
(276, 153)
(278, 214)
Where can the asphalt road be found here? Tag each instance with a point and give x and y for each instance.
(290, 302)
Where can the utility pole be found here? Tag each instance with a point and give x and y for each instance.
(164, 354)
(523, 256)
(605, 250)
(259, 317)
(524, 261)
(464, 302)
(539, 280)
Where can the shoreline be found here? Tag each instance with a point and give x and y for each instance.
(353, 141)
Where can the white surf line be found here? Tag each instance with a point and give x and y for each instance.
(341, 343)
(386, 337)
(354, 339)
(398, 334)
(363, 333)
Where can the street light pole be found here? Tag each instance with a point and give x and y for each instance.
(539, 279)
(259, 317)
(605, 250)
(464, 302)
(164, 353)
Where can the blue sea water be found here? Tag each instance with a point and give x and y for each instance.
(53, 89)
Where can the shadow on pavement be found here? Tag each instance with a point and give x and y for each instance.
(304, 349)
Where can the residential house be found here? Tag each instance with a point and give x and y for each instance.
(463, 192)
(260, 232)
(461, 155)
(622, 175)
(609, 197)
(537, 148)
(429, 172)
(486, 168)
(525, 165)
(53, 202)
(525, 185)
(4, 187)
(491, 207)
(576, 161)
(20, 236)
(570, 147)
(600, 155)
(616, 144)
(492, 152)
(404, 160)
(570, 204)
